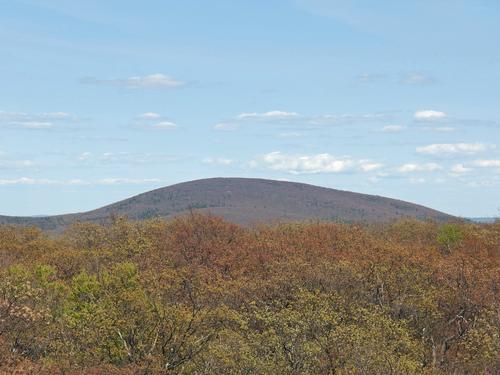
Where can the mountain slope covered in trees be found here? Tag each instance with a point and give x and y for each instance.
(246, 201)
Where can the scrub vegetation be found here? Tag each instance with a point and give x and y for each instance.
(199, 295)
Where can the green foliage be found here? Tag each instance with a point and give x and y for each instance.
(449, 236)
(201, 296)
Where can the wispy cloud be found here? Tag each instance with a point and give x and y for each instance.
(38, 121)
(295, 119)
(410, 78)
(127, 181)
(33, 124)
(25, 181)
(346, 119)
(273, 115)
(392, 128)
(89, 158)
(313, 164)
(487, 163)
(155, 121)
(460, 169)
(370, 77)
(152, 81)
(164, 125)
(218, 161)
(288, 135)
(492, 165)
(8, 163)
(367, 166)
(416, 78)
(150, 116)
(47, 116)
(76, 182)
(226, 126)
(429, 115)
(416, 167)
(269, 117)
(439, 121)
(441, 129)
(454, 148)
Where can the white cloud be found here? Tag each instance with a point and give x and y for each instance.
(7, 115)
(369, 166)
(321, 163)
(294, 119)
(370, 77)
(154, 80)
(85, 156)
(460, 169)
(23, 163)
(25, 181)
(289, 135)
(414, 167)
(429, 115)
(7, 162)
(492, 163)
(440, 129)
(330, 119)
(76, 181)
(392, 128)
(217, 161)
(225, 126)
(38, 121)
(411, 78)
(454, 148)
(126, 181)
(124, 157)
(46, 116)
(153, 120)
(56, 115)
(416, 78)
(266, 115)
(165, 125)
(486, 183)
(312, 164)
(33, 124)
(16, 164)
(150, 116)
(157, 80)
(73, 182)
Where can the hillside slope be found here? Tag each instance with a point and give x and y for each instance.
(246, 201)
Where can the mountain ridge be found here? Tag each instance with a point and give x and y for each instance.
(245, 201)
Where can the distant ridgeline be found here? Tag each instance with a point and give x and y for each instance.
(486, 220)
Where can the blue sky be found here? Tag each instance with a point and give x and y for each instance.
(101, 100)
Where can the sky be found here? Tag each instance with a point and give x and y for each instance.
(102, 100)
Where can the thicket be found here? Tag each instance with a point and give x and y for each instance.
(198, 295)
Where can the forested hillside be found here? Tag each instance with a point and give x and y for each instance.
(198, 295)
(245, 201)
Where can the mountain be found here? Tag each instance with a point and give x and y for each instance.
(246, 201)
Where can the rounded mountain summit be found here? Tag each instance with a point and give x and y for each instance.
(246, 201)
